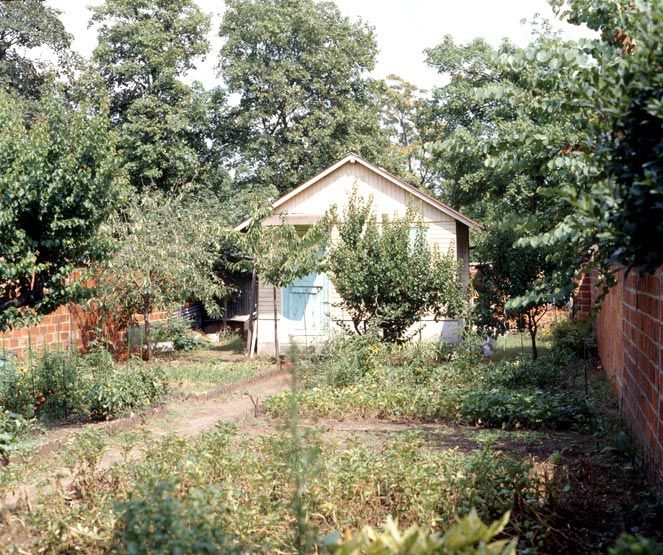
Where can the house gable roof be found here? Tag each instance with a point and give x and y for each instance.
(354, 159)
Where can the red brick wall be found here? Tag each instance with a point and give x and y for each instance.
(68, 326)
(629, 330)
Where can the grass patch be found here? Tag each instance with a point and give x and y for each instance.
(209, 368)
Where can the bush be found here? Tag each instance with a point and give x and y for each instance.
(531, 409)
(57, 385)
(635, 545)
(348, 358)
(12, 425)
(117, 389)
(155, 519)
(177, 330)
(573, 338)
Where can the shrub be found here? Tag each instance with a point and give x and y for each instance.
(387, 275)
(635, 545)
(56, 385)
(12, 425)
(531, 409)
(348, 358)
(540, 373)
(115, 390)
(157, 519)
(573, 338)
(177, 330)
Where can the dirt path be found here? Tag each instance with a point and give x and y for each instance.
(186, 416)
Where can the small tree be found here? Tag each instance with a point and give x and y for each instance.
(510, 271)
(280, 254)
(386, 273)
(166, 249)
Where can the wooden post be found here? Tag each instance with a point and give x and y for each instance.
(254, 346)
(276, 327)
(252, 306)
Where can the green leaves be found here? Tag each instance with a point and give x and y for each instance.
(299, 69)
(165, 250)
(59, 181)
(387, 275)
(145, 48)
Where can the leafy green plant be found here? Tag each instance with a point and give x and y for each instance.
(177, 330)
(166, 249)
(12, 426)
(531, 409)
(468, 536)
(157, 518)
(573, 338)
(116, 390)
(628, 544)
(60, 179)
(55, 385)
(386, 278)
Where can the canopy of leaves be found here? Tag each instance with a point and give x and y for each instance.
(25, 25)
(617, 213)
(299, 68)
(59, 181)
(566, 135)
(407, 119)
(386, 273)
(145, 48)
(166, 246)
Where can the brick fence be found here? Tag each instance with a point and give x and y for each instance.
(69, 326)
(629, 330)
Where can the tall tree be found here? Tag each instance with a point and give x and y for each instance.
(299, 69)
(615, 205)
(507, 117)
(26, 25)
(145, 49)
(60, 178)
(406, 116)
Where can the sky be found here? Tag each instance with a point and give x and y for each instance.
(404, 28)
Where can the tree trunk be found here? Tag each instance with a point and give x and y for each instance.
(276, 326)
(148, 332)
(532, 328)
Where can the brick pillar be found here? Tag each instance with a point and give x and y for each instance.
(582, 298)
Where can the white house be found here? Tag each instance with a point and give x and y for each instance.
(307, 308)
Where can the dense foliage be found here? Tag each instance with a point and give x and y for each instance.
(468, 535)
(26, 25)
(59, 182)
(166, 247)
(619, 210)
(144, 50)
(367, 379)
(387, 274)
(305, 100)
(58, 385)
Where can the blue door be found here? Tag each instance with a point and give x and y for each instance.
(304, 305)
